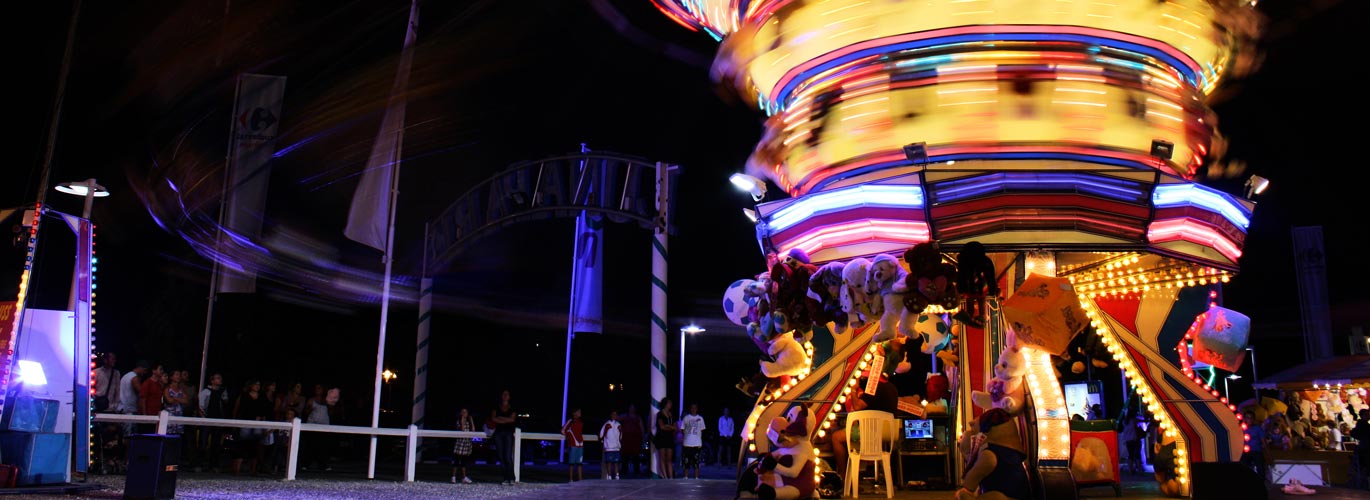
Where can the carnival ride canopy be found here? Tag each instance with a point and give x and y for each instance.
(1352, 371)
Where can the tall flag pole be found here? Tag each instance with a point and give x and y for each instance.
(587, 258)
(658, 368)
(371, 219)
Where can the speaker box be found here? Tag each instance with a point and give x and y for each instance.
(41, 458)
(153, 460)
(1225, 481)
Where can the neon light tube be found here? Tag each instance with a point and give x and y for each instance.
(842, 199)
(1169, 195)
(1193, 232)
(1118, 189)
(860, 231)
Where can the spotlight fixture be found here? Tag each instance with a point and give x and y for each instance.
(1256, 185)
(916, 152)
(1162, 149)
(753, 185)
(751, 215)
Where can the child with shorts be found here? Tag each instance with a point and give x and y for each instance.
(575, 442)
(612, 438)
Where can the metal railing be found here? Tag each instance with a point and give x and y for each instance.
(411, 434)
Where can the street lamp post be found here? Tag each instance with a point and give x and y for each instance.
(1226, 389)
(90, 190)
(691, 329)
(1254, 378)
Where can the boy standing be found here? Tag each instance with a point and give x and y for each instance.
(693, 426)
(611, 438)
(576, 453)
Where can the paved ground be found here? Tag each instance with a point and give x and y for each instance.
(539, 482)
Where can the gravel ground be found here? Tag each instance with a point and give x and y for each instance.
(215, 488)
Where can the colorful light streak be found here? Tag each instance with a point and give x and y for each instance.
(907, 196)
(1107, 187)
(1193, 232)
(868, 230)
(1173, 195)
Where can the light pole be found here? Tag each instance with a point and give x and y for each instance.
(90, 190)
(1226, 390)
(691, 329)
(1254, 378)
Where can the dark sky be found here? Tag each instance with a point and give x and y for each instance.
(497, 82)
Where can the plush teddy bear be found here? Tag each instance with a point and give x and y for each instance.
(885, 279)
(787, 359)
(787, 473)
(997, 469)
(975, 279)
(825, 286)
(1005, 390)
(861, 307)
(791, 276)
(929, 280)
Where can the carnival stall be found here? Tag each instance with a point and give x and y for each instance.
(1317, 406)
(1022, 173)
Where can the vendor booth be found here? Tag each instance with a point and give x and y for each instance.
(1333, 390)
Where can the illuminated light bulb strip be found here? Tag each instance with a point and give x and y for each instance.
(1113, 260)
(94, 262)
(1160, 277)
(1194, 232)
(1053, 425)
(1159, 285)
(1187, 366)
(1144, 391)
(19, 303)
(749, 428)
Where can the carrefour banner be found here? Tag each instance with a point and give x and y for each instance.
(587, 289)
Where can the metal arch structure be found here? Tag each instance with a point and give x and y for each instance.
(618, 186)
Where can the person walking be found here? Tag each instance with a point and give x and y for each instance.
(611, 438)
(505, 420)
(1132, 438)
(726, 433)
(693, 426)
(461, 450)
(663, 438)
(633, 432)
(572, 433)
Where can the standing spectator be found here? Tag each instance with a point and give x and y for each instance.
(320, 445)
(663, 438)
(282, 442)
(632, 429)
(612, 439)
(295, 399)
(150, 396)
(213, 404)
(177, 398)
(726, 433)
(505, 420)
(573, 434)
(251, 405)
(107, 380)
(693, 426)
(129, 385)
(461, 451)
(273, 400)
(1132, 438)
(1255, 458)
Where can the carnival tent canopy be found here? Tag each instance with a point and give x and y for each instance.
(1351, 371)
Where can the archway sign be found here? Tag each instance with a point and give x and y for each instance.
(619, 187)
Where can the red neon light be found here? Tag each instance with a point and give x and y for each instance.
(857, 232)
(1193, 232)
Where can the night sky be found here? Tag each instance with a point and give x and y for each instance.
(498, 82)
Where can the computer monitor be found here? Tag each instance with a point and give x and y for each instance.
(917, 429)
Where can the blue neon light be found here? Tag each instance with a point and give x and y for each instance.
(1106, 187)
(1173, 195)
(904, 196)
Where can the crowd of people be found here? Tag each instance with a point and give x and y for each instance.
(150, 388)
(624, 437)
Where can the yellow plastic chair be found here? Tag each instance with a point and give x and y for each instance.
(875, 444)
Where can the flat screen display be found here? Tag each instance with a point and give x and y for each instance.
(917, 429)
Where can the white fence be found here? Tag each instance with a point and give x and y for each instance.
(412, 435)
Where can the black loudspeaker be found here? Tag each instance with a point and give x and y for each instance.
(917, 152)
(1162, 149)
(152, 463)
(1225, 481)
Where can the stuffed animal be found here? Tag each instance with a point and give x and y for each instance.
(791, 276)
(792, 463)
(737, 304)
(975, 279)
(997, 470)
(1163, 459)
(825, 286)
(929, 280)
(787, 359)
(886, 279)
(1356, 403)
(861, 307)
(1005, 390)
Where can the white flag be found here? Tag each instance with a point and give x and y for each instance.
(256, 120)
(369, 218)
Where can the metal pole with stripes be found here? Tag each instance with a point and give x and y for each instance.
(421, 350)
(659, 304)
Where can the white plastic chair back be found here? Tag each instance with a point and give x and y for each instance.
(875, 443)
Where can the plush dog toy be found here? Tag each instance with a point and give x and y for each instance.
(825, 286)
(885, 279)
(861, 307)
(787, 473)
(791, 276)
(787, 359)
(929, 280)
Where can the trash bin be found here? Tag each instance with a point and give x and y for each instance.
(152, 463)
